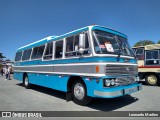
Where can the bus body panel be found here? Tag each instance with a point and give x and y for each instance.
(47, 80)
(94, 89)
(18, 76)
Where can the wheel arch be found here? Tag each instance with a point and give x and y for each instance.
(148, 73)
(71, 80)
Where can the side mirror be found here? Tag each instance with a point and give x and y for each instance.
(81, 43)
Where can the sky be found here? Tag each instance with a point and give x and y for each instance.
(25, 21)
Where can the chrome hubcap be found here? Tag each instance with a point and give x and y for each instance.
(79, 91)
(26, 81)
(152, 79)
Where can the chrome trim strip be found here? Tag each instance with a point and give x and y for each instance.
(108, 94)
(63, 73)
(74, 64)
(119, 92)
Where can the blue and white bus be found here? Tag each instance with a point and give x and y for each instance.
(93, 61)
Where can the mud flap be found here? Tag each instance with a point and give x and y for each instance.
(69, 96)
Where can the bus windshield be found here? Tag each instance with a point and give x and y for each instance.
(108, 43)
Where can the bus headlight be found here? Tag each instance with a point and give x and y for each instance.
(107, 82)
(112, 82)
(137, 78)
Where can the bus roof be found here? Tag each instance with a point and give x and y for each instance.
(152, 47)
(149, 47)
(138, 47)
(49, 38)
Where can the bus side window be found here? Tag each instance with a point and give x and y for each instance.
(38, 52)
(140, 53)
(152, 57)
(72, 46)
(59, 49)
(134, 50)
(26, 54)
(69, 46)
(18, 56)
(49, 51)
(35, 50)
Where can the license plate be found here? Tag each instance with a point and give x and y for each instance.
(130, 90)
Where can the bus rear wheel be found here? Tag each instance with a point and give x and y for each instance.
(152, 79)
(26, 83)
(79, 93)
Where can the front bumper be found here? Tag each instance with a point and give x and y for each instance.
(118, 91)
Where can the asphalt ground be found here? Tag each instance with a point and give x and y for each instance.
(14, 97)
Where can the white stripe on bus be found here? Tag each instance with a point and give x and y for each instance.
(83, 74)
(78, 64)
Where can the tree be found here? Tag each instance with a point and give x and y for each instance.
(158, 42)
(1, 56)
(143, 43)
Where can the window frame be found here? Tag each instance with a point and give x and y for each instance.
(72, 48)
(37, 51)
(29, 56)
(134, 50)
(143, 53)
(63, 50)
(152, 59)
(77, 56)
(46, 50)
(55, 49)
(139, 54)
(20, 57)
(93, 52)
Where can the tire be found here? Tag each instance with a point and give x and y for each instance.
(152, 80)
(26, 83)
(79, 93)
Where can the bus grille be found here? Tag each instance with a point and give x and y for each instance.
(121, 69)
(124, 80)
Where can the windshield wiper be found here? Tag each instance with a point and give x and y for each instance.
(120, 47)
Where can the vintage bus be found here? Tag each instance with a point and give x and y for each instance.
(148, 63)
(93, 61)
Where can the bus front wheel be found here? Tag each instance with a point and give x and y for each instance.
(79, 93)
(152, 79)
(26, 83)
